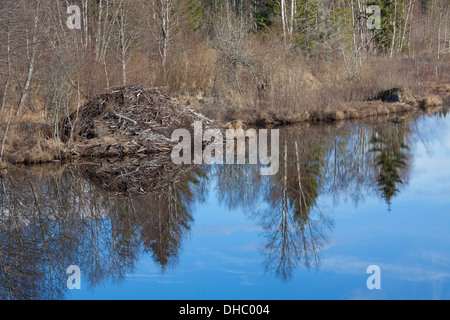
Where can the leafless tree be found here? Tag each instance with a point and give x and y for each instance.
(32, 58)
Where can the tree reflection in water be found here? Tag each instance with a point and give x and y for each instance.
(105, 216)
(338, 160)
(294, 234)
(390, 147)
(53, 218)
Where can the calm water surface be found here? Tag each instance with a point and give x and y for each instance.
(346, 197)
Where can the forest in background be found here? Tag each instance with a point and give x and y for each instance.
(227, 58)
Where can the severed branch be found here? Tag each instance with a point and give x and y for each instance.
(125, 118)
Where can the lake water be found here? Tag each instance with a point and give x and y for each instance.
(346, 196)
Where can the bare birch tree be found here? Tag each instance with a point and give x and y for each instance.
(126, 37)
(32, 59)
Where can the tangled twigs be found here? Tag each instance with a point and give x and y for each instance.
(128, 121)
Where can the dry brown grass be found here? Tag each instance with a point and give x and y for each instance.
(443, 89)
(235, 125)
(430, 101)
(45, 150)
(29, 139)
(298, 90)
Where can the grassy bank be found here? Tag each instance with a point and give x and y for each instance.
(299, 89)
(29, 140)
(32, 140)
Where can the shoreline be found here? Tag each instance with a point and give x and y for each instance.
(367, 110)
(438, 96)
(393, 111)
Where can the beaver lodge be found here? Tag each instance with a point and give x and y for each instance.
(125, 122)
(122, 139)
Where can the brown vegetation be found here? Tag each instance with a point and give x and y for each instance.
(127, 121)
(265, 62)
(431, 101)
(30, 140)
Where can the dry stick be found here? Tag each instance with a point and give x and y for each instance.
(125, 118)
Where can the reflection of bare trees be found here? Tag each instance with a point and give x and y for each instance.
(102, 216)
(283, 204)
(282, 243)
(353, 166)
(49, 221)
(41, 234)
(239, 185)
(338, 161)
(158, 199)
(348, 171)
(295, 233)
(163, 230)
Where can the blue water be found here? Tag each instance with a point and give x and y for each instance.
(350, 224)
(222, 256)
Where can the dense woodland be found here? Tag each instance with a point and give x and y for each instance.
(224, 57)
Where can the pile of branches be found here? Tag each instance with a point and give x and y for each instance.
(131, 177)
(127, 121)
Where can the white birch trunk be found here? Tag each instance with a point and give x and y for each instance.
(283, 18)
(8, 62)
(395, 30)
(31, 64)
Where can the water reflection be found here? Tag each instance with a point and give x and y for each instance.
(51, 218)
(294, 234)
(390, 147)
(106, 216)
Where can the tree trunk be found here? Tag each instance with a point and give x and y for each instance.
(394, 31)
(99, 31)
(123, 46)
(85, 22)
(283, 18)
(291, 18)
(8, 62)
(6, 133)
(31, 64)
